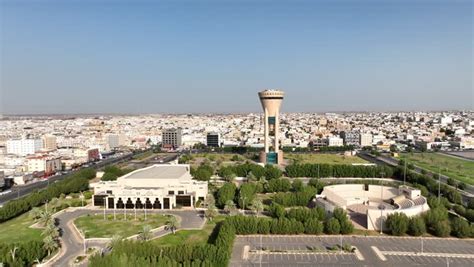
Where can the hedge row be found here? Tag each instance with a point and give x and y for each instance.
(328, 170)
(25, 254)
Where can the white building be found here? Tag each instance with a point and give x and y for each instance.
(365, 139)
(23, 147)
(154, 187)
(335, 141)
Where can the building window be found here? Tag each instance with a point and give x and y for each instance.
(109, 192)
(180, 192)
(170, 192)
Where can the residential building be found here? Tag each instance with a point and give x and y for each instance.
(154, 187)
(350, 138)
(23, 147)
(365, 139)
(171, 138)
(49, 142)
(48, 165)
(335, 141)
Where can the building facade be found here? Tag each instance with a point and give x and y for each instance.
(46, 164)
(154, 187)
(365, 139)
(171, 138)
(350, 138)
(213, 140)
(49, 142)
(23, 147)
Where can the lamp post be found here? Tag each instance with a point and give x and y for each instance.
(105, 205)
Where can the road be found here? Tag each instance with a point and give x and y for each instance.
(466, 194)
(72, 244)
(294, 250)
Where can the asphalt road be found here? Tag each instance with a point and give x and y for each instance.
(293, 250)
(72, 245)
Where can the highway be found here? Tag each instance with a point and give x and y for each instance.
(23, 190)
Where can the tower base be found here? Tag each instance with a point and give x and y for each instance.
(271, 157)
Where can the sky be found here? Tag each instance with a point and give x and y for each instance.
(60, 57)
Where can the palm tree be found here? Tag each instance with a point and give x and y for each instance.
(251, 177)
(230, 207)
(210, 200)
(145, 233)
(13, 252)
(257, 206)
(45, 218)
(172, 223)
(50, 244)
(211, 212)
(114, 241)
(51, 230)
(35, 213)
(54, 202)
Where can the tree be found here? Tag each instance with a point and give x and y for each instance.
(51, 230)
(416, 226)
(257, 206)
(251, 177)
(145, 234)
(210, 201)
(247, 193)
(172, 223)
(203, 173)
(460, 228)
(225, 193)
(272, 172)
(211, 212)
(230, 207)
(346, 227)
(332, 226)
(49, 244)
(35, 213)
(228, 175)
(397, 223)
(278, 185)
(45, 218)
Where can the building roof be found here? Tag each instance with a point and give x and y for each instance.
(159, 172)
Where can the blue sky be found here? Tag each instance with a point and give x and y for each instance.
(214, 56)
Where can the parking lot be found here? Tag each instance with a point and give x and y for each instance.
(305, 250)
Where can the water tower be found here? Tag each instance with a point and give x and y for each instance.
(271, 102)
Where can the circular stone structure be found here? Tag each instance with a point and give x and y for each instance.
(369, 205)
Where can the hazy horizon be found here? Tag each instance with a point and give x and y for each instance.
(178, 57)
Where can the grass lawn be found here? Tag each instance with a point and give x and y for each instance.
(18, 229)
(459, 169)
(96, 226)
(322, 158)
(189, 236)
(217, 159)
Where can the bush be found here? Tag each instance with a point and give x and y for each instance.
(397, 223)
(297, 185)
(442, 228)
(277, 210)
(203, 173)
(460, 228)
(26, 253)
(313, 227)
(295, 199)
(416, 226)
(340, 170)
(247, 193)
(332, 226)
(278, 185)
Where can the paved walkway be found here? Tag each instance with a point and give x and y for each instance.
(72, 243)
